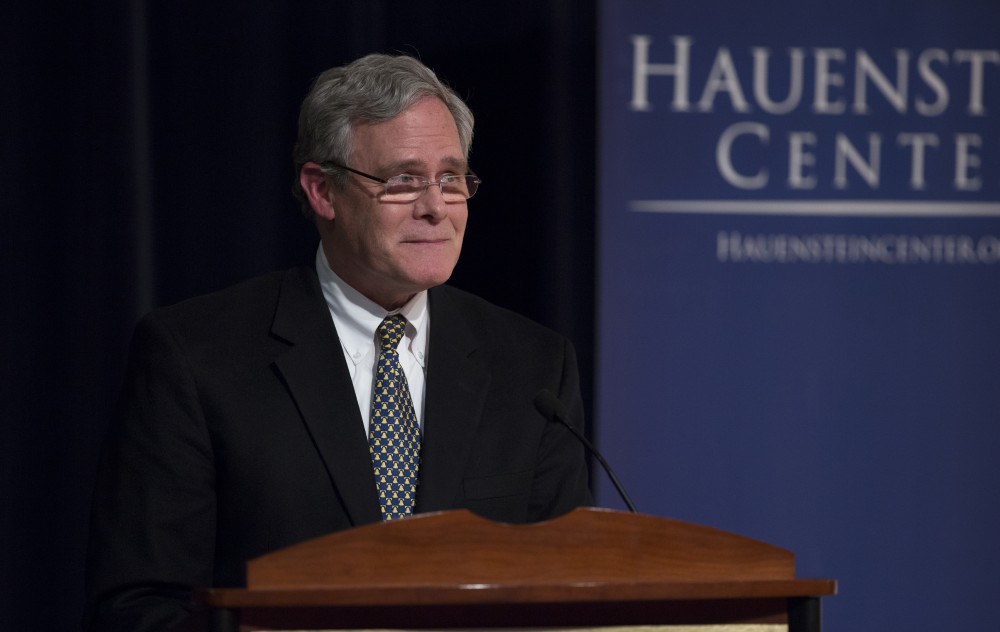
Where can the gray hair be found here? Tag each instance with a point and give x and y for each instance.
(372, 89)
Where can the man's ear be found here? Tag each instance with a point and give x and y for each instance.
(318, 190)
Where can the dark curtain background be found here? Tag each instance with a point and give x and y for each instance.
(146, 158)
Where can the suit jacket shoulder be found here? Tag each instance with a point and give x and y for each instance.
(489, 321)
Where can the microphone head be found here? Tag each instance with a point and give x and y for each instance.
(549, 405)
(554, 410)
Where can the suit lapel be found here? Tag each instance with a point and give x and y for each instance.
(317, 378)
(455, 395)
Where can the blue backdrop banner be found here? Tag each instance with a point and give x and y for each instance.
(800, 288)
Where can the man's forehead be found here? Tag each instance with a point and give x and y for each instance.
(423, 139)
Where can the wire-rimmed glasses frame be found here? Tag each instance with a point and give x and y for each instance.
(408, 188)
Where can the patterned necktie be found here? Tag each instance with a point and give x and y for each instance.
(393, 433)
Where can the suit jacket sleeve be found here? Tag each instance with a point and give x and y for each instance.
(153, 523)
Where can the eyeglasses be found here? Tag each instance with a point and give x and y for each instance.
(409, 188)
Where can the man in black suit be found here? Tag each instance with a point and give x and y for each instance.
(247, 421)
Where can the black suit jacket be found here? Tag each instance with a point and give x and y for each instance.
(239, 433)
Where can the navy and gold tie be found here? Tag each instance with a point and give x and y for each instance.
(393, 432)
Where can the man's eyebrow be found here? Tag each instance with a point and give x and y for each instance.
(457, 165)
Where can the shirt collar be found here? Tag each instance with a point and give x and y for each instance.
(357, 317)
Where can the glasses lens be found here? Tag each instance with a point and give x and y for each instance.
(472, 185)
(407, 188)
(457, 188)
(404, 188)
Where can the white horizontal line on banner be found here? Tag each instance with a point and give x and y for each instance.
(869, 208)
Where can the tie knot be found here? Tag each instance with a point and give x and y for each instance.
(390, 332)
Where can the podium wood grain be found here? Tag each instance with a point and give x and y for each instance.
(453, 569)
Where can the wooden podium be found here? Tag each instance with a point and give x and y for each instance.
(590, 568)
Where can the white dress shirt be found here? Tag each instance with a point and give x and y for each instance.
(357, 318)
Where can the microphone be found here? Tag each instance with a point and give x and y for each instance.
(554, 410)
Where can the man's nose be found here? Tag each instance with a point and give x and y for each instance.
(431, 202)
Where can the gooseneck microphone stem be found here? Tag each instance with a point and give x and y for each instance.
(554, 410)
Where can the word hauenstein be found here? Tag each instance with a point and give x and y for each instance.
(840, 86)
